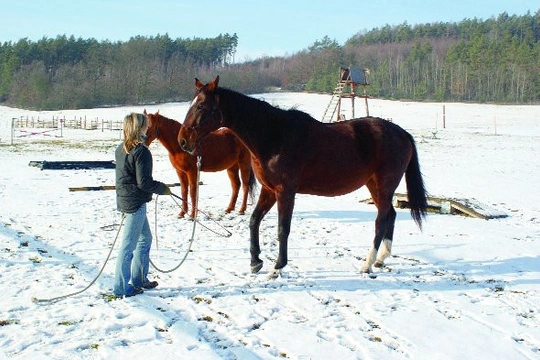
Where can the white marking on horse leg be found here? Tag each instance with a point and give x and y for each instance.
(372, 255)
(385, 251)
(274, 273)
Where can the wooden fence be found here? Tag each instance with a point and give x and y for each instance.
(74, 123)
(29, 126)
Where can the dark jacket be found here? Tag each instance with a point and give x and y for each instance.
(134, 182)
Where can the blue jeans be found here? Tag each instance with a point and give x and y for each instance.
(134, 255)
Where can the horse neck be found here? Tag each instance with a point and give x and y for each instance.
(250, 129)
(168, 134)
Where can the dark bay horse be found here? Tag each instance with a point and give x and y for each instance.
(222, 150)
(294, 153)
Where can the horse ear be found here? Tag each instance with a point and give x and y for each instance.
(157, 112)
(212, 86)
(144, 112)
(198, 84)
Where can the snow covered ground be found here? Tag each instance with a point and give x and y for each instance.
(463, 288)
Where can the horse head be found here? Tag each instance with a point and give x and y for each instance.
(153, 132)
(203, 116)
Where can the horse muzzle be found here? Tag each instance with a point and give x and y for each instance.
(185, 146)
(186, 141)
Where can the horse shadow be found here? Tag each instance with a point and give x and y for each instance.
(346, 216)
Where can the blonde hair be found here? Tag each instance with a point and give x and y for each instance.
(135, 126)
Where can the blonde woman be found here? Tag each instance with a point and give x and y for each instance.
(134, 188)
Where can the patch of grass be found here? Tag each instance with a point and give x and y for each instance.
(199, 299)
(9, 322)
(35, 259)
(223, 314)
(109, 297)
(67, 323)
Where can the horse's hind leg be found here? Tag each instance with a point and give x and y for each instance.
(384, 229)
(385, 220)
(235, 185)
(385, 249)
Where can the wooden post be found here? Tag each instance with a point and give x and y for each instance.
(365, 99)
(444, 116)
(12, 129)
(338, 115)
(353, 95)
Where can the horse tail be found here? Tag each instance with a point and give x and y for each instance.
(416, 191)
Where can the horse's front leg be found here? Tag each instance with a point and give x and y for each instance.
(285, 202)
(232, 172)
(193, 189)
(245, 175)
(267, 199)
(183, 192)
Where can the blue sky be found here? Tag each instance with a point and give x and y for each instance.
(274, 27)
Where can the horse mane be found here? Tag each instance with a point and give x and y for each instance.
(176, 125)
(263, 108)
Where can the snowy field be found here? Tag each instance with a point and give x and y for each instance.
(464, 288)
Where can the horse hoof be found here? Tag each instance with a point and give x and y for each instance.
(256, 268)
(379, 264)
(366, 271)
(274, 274)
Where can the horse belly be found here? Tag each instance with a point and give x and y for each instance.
(332, 183)
(219, 152)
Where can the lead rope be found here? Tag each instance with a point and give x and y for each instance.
(36, 300)
(194, 224)
(54, 299)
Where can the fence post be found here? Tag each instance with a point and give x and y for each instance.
(12, 129)
(444, 117)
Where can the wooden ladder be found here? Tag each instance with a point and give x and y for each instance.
(333, 104)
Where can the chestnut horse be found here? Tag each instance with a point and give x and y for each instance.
(294, 153)
(222, 150)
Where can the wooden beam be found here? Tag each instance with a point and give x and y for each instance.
(105, 187)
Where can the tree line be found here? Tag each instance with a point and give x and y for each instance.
(77, 73)
(493, 60)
